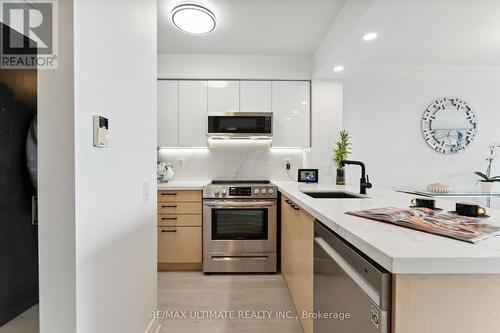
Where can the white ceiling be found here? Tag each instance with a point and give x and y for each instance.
(289, 27)
(438, 33)
(413, 34)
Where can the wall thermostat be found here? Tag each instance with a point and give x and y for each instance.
(101, 130)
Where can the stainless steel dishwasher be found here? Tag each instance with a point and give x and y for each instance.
(352, 294)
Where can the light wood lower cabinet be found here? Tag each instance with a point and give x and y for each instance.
(178, 220)
(179, 245)
(297, 242)
(179, 196)
(179, 230)
(436, 303)
(179, 208)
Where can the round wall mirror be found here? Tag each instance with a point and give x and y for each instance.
(449, 125)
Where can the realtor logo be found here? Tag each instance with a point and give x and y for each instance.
(29, 34)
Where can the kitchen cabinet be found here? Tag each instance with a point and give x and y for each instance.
(179, 230)
(192, 113)
(168, 113)
(291, 112)
(458, 303)
(179, 245)
(183, 106)
(297, 241)
(223, 96)
(255, 96)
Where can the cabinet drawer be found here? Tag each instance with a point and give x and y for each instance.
(167, 208)
(179, 196)
(179, 220)
(179, 245)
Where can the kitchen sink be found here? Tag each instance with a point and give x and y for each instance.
(334, 195)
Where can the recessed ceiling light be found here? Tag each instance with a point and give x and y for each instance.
(370, 36)
(296, 111)
(193, 18)
(338, 68)
(304, 103)
(288, 118)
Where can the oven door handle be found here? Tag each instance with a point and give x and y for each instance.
(253, 204)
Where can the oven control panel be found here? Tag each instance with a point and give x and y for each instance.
(240, 191)
(222, 191)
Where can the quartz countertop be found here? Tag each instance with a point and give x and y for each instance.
(397, 249)
(180, 185)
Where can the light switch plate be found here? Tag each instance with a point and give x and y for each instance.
(181, 163)
(328, 169)
(146, 190)
(101, 131)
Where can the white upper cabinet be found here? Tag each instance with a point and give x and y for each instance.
(183, 107)
(223, 96)
(291, 111)
(193, 113)
(255, 96)
(168, 113)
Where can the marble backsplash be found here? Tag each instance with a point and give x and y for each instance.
(232, 160)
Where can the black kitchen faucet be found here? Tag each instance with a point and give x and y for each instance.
(364, 181)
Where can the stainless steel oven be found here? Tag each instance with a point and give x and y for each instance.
(253, 125)
(239, 228)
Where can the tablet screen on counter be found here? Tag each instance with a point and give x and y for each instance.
(308, 175)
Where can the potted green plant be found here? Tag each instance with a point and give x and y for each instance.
(341, 151)
(486, 179)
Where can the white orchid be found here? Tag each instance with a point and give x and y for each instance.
(486, 177)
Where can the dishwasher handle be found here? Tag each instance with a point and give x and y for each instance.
(363, 283)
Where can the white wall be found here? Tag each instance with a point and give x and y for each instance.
(115, 76)
(384, 117)
(56, 186)
(326, 123)
(217, 66)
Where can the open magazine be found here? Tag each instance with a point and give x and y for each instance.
(467, 229)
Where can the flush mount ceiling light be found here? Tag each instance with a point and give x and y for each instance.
(370, 36)
(193, 18)
(338, 68)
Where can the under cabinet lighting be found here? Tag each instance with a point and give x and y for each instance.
(370, 36)
(193, 18)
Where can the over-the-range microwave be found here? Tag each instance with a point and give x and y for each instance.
(240, 125)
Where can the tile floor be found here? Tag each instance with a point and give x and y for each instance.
(259, 295)
(26, 322)
(264, 296)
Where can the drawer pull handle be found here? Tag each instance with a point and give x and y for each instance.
(288, 202)
(295, 207)
(169, 194)
(169, 231)
(169, 218)
(169, 206)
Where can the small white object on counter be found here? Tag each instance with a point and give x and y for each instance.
(164, 172)
(438, 188)
(397, 249)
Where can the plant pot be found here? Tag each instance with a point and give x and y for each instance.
(487, 187)
(340, 176)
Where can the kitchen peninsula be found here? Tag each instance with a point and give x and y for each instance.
(454, 283)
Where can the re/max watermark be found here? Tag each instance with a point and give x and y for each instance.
(245, 315)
